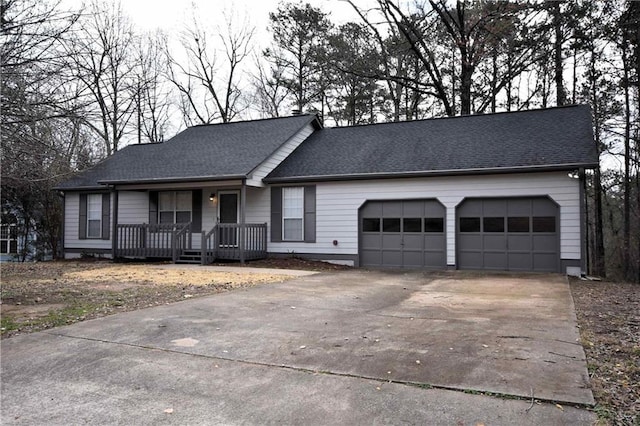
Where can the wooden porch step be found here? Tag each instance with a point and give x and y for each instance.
(189, 261)
(191, 256)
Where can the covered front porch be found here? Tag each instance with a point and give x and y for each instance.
(187, 223)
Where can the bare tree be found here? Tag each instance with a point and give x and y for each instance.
(102, 54)
(38, 107)
(269, 88)
(470, 28)
(151, 92)
(207, 83)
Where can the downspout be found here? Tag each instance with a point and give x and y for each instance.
(584, 261)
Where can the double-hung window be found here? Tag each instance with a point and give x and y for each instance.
(94, 216)
(174, 207)
(293, 214)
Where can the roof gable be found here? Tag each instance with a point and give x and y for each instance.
(548, 138)
(211, 152)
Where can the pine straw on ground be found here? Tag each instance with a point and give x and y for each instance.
(609, 318)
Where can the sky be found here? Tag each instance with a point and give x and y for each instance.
(169, 15)
(173, 16)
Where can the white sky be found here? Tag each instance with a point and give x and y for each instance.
(170, 15)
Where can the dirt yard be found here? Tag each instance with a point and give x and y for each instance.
(37, 296)
(609, 318)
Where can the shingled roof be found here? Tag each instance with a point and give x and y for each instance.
(205, 152)
(555, 138)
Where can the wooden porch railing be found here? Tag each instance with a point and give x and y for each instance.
(152, 240)
(226, 241)
(233, 241)
(208, 246)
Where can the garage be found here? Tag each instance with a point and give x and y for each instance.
(402, 234)
(508, 234)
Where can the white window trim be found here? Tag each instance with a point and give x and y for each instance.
(285, 217)
(175, 206)
(90, 218)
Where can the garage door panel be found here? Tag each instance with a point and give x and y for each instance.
(470, 242)
(544, 207)
(412, 241)
(434, 242)
(495, 260)
(399, 234)
(520, 261)
(391, 240)
(545, 262)
(372, 241)
(516, 234)
(519, 242)
(412, 259)
(372, 209)
(434, 209)
(470, 260)
(392, 210)
(494, 242)
(470, 208)
(392, 258)
(413, 208)
(371, 257)
(517, 207)
(494, 208)
(434, 260)
(544, 243)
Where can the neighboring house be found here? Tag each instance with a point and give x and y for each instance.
(499, 191)
(8, 242)
(12, 243)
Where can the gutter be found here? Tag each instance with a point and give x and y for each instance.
(453, 172)
(171, 179)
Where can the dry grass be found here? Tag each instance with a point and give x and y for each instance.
(37, 296)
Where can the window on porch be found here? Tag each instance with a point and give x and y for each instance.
(175, 207)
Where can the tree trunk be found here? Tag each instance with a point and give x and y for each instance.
(598, 264)
(494, 78)
(626, 232)
(557, 25)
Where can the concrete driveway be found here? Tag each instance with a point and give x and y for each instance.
(354, 347)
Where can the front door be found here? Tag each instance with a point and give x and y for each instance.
(228, 214)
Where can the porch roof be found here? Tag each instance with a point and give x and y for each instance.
(205, 152)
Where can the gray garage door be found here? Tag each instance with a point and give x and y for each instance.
(512, 234)
(403, 234)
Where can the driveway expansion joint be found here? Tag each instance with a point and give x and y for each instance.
(421, 385)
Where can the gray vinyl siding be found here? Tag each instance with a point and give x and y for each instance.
(72, 225)
(338, 204)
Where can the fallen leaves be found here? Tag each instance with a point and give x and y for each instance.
(609, 318)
